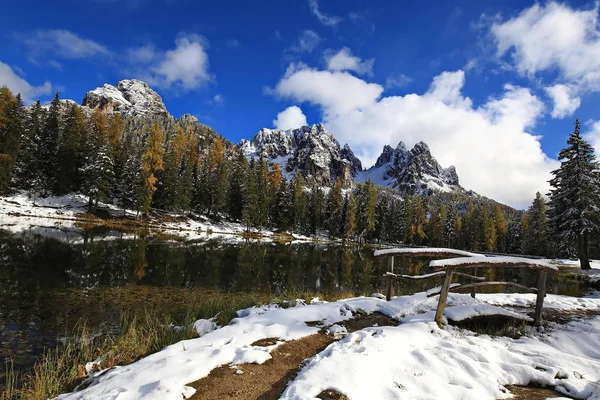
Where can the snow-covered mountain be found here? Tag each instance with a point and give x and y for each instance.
(130, 97)
(311, 150)
(411, 171)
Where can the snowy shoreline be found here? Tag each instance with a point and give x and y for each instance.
(51, 216)
(413, 360)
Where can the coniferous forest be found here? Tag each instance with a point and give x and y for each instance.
(180, 165)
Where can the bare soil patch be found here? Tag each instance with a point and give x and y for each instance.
(268, 380)
(332, 395)
(534, 393)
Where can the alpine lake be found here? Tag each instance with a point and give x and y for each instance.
(52, 279)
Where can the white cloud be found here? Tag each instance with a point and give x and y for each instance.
(554, 37)
(142, 54)
(19, 85)
(290, 118)
(184, 67)
(60, 43)
(343, 60)
(397, 81)
(491, 145)
(217, 100)
(324, 19)
(336, 92)
(593, 135)
(564, 103)
(307, 42)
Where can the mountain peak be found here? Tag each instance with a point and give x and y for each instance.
(411, 172)
(130, 96)
(311, 150)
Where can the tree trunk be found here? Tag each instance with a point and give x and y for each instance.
(584, 259)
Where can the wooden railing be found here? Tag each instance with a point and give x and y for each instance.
(448, 268)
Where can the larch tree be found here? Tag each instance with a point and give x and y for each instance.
(575, 196)
(152, 161)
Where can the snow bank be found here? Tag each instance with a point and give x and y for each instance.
(419, 361)
(417, 250)
(492, 260)
(413, 360)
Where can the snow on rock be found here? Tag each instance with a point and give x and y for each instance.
(204, 326)
(520, 261)
(311, 150)
(337, 331)
(412, 171)
(417, 250)
(130, 96)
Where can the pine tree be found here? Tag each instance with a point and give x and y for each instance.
(251, 214)
(366, 199)
(281, 210)
(73, 126)
(239, 173)
(98, 169)
(11, 121)
(299, 204)
(450, 233)
(27, 171)
(49, 147)
(574, 199)
(536, 237)
(352, 210)
(334, 209)
(489, 236)
(501, 229)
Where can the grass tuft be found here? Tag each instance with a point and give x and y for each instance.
(140, 333)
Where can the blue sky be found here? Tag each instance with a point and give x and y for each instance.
(492, 87)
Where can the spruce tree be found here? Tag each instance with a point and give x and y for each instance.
(536, 234)
(334, 209)
(574, 199)
(49, 148)
(352, 210)
(27, 172)
(11, 120)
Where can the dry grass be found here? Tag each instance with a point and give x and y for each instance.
(140, 333)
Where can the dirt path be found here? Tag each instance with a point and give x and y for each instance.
(267, 381)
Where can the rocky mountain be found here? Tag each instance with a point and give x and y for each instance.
(312, 150)
(411, 171)
(130, 97)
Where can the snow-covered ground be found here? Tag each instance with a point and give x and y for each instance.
(57, 216)
(592, 275)
(415, 360)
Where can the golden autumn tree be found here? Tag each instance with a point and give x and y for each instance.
(152, 161)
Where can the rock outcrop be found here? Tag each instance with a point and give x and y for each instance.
(411, 171)
(130, 97)
(310, 150)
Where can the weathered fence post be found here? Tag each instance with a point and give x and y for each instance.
(443, 297)
(541, 293)
(474, 273)
(388, 292)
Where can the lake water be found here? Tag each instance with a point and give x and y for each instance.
(51, 279)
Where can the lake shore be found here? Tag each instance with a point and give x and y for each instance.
(462, 363)
(52, 214)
